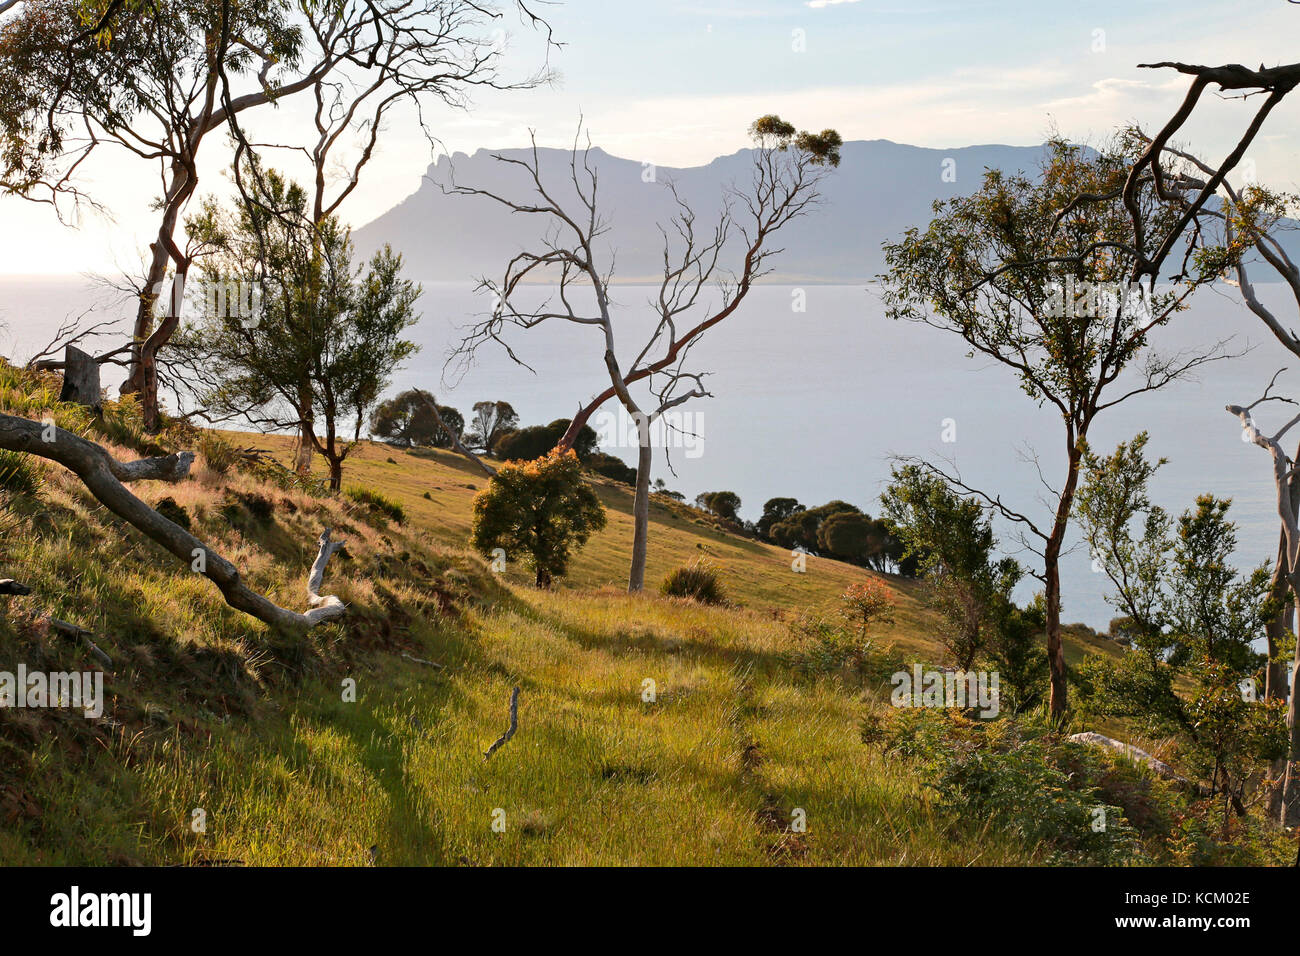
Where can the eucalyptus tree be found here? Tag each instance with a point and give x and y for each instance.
(573, 262)
(165, 75)
(1039, 282)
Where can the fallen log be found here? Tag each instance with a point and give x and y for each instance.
(1137, 755)
(104, 476)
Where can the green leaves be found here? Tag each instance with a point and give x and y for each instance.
(538, 511)
(1191, 615)
(772, 132)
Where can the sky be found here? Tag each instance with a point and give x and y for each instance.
(676, 84)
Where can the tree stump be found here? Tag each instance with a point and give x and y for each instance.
(81, 379)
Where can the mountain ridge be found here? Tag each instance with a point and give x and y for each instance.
(888, 185)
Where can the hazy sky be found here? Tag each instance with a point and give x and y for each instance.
(676, 84)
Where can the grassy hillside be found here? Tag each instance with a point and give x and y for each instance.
(213, 720)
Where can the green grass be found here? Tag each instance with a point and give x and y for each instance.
(208, 711)
(377, 502)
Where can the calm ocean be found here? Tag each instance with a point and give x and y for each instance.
(813, 404)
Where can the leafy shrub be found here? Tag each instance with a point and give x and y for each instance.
(825, 647)
(122, 423)
(612, 467)
(1023, 792)
(378, 503)
(866, 602)
(266, 469)
(700, 581)
(541, 510)
(20, 473)
(1014, 776)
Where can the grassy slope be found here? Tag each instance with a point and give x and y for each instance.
(208, 711)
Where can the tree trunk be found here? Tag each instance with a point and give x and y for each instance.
(1055, 650)
(148, 357)
(336, 474)
(1275, 630)
(304, 449)
(543, 579)
(641, 512)
(80, 379)
(1052, 575)
(153, 279)
(142, 377)
(1290, 810)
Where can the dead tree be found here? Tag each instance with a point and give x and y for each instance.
(106, 478)
(1274, 84)
(75, 332)
(1246, 222)
(1285, 473)
(579, 271)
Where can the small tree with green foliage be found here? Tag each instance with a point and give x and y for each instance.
(328, 336)
(1191, 617)
(407, 420)
(776, 510)
(538, 510)
(1001, 269)
(724, 504)
(953, 539)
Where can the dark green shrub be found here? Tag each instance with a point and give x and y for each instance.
(699, 581)
(612, 467)
(531, 443)
(259, 506)
(173, 512)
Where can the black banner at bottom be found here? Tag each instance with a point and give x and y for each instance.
(332, 906)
